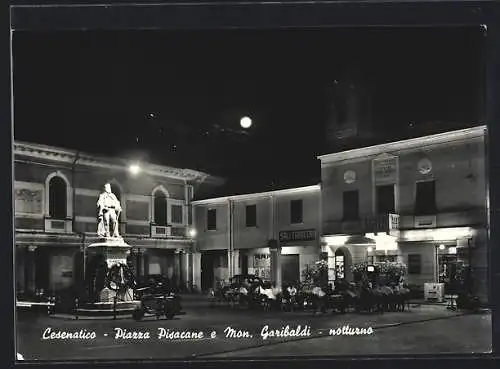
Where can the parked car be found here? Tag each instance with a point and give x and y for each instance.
(155, 283)
(153, 288)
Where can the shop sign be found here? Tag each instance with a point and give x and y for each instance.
(303, 235)
(385, 169)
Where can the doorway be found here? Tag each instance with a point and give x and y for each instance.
(447, 272)
(290, 268)
(339, 265)
(207, 270)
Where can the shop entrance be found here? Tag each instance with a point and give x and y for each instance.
(214, 268)
(290, 268)
(339, 265)
(447, 272)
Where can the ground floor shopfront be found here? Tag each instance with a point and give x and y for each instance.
(430, 255)
(281, 265)
(46, 264)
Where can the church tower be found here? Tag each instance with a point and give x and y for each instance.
(349, 113)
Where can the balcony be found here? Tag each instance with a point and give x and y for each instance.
(445, 219)
(58, 225)
(382, 223)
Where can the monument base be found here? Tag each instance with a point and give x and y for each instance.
(113, 251)
(108, 309)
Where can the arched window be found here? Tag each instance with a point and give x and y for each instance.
(57, 198)
(160, 208)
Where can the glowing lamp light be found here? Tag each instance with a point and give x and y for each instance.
(245, 122)
(192, 233)
(441, 247)
(134, 169)
(369, 249)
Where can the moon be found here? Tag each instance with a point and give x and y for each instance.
(246, 122)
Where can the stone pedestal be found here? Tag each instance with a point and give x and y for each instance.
(114, 251)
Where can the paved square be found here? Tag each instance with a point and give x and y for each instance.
(424, 329)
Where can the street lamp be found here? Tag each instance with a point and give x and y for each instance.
(134, 169)
(192, 233)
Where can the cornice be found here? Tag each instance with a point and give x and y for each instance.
(405, 145)
(59, 155)
(259, 195)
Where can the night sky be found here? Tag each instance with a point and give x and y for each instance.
(175, 98)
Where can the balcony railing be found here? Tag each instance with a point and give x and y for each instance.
(168, 231)
(160, 231)
(58, 225)
(392, 222)
(445, 219)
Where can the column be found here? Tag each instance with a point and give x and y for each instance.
(177, 268)
(139, 267)
(229, 264)
(30, 267)
(276, 265)
(185, 277)
(145, 262)
(236, 262)
(196, 277)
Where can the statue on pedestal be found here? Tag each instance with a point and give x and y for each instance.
(109, 209)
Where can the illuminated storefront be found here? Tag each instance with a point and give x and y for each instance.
(421, 202)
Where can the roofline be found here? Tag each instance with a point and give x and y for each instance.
(250, 196)
(61, 155)
(409, 144)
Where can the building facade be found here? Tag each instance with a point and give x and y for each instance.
(421, 201)
(56, 192)
(274, 235)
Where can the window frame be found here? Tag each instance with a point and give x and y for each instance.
(377, 211)
(247, 224)
(344, 217)
(299, 219)
(208, 225)
(416, 209)
(64, 210)
(155, 206)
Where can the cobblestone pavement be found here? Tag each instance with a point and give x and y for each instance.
(443, 330)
